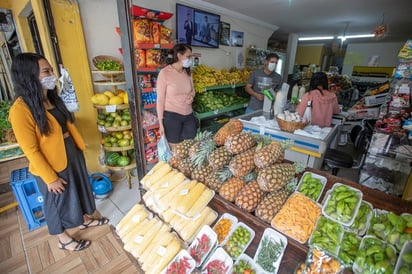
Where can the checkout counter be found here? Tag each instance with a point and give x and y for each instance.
(305, 149)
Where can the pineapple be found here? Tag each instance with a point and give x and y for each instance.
(217, 178)
(181, 150)
(205, 149)
(269, 154)
(201, 136)
(233, 126)
(249, 197)
(276, 176)
(271, 204)
(174, 162)
(202, 173)
(231, 188)
(243, 163)
(219, 157)
(240, 142)
(185, 166)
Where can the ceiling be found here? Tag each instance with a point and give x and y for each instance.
(328, 17)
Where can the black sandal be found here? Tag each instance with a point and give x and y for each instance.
(100, 221)
(81, 244)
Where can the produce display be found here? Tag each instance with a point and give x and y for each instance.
(238, 240)
(349, 248)
(311, 185)
(223, 226)
(109, 65)
(270, 250)
(390, 227)
(327, 235)
(375, 256)
(297, 217)
(404, 263)
(362, 219)
(203, 244)
(204, 77)
(245, 264)
(110, 98)
(181, 264)
(319, 261)
(220, 262)
(211, 101)
(342, 204)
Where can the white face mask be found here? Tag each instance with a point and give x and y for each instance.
(49, 82)
(271, 66)
(187, 63)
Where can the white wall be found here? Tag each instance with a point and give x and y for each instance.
(359, 54)
(100, 19)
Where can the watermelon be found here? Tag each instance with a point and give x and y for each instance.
(112, 158)
(123, 161)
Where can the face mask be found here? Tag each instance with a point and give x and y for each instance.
(187, 63)
(49, 82)
(271, 66)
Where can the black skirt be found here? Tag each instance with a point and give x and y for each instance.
(66, 210)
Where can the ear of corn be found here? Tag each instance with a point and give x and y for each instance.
(139, 248)
(157, 175)
(126, 219)
(200, 203)
(167, 215)
(207, 216)
(187, 201)
(171, 250)
(138, 230)
(162, 180)
(152, 171)
(183, 194)
(164, 202)
(160, 240)
(169, 186)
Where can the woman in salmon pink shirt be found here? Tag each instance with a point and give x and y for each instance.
(175, 95)
(324, 102)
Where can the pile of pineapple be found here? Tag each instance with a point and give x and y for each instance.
(242, 167)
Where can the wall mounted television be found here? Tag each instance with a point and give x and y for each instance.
(196, 27)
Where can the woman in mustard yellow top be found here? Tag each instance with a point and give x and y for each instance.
(46, 133)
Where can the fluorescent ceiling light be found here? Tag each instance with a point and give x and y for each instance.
(316, 38)
(356, 36)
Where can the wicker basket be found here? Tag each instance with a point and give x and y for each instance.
(107, 74)
(290, 126)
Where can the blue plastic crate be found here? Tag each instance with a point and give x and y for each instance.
(29, 197)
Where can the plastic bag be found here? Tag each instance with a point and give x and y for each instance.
(163, 150)
(67, 92)
(307, 115)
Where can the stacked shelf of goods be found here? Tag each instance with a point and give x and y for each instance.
(150, 53)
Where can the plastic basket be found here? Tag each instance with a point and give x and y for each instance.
(290, 126)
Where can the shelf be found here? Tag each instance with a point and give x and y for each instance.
(151, 127)
(118, 148)
(147, 90)
(108, 83)
(225, 86)
(149, 69)
(108, 72)
(210, 114)
(117, 128)
(154, 46)
(119, 168)
(149, 106)
(112, 108)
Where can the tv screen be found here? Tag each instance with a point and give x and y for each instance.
(197, 27)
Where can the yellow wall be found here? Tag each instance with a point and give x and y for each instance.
(306, 55)
(74, 55)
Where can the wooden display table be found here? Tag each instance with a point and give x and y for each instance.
(296, 252)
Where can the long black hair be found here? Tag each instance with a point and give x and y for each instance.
(25, 75)
(318, 79)
(180, 48)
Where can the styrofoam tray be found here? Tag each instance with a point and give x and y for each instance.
(406, 249)
(205, 231)
(274, 237)
(317, 229)
(369, 215)
(353, 214)
(243, 247)
(322, 181)
(221, 256)
(183, 254)
(229, 217)
(245, 257)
